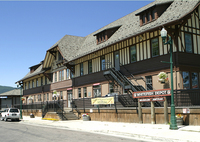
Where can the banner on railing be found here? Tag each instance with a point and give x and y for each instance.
(102, 101)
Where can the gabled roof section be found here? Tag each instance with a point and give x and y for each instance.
(131, 25)
(15, 92)
(31, 74)
(68, 46)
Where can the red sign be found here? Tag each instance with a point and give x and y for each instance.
(152, 93)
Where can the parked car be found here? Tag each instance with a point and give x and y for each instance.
(10, 113)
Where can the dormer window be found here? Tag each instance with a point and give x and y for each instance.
(105, 34)
(148, 16)
(152, 13)
(60, 57)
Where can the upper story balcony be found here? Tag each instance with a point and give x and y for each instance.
(40, 89)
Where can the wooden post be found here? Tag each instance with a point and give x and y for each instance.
(152, 113)
(140, 112)
(166, 111)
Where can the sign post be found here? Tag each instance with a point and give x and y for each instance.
(152, 96)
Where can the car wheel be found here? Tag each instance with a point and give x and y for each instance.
(2, 119)
(17, 119)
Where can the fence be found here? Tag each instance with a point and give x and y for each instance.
(40, 105)
(182, 98)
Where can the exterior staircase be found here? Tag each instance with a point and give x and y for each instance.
(117, 78)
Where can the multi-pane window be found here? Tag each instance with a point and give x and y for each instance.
(85, 91)
(55, 76)
(81, 69)
(149, 83)
(68, 75)
(44, 97)
(61, 95)
(154, 47)
(47, 96)
(188, 42)
(62, 75)
(41, 81)
(79, 92)
(103, 63)
(195, 83)
(90, 66)
(33, 84)
(143, 18)
(133, 54)
(111, 88)
(39, 97)
(45, 80)
(97, 90)
(53, 98)
(36, 82)
(25, 86)
(153, 14)
(59, 56)
(186, 80)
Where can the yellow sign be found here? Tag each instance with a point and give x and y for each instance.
(102, 101)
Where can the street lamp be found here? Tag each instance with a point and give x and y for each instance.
(173, 124)
(20, 87)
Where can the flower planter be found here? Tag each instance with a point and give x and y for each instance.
(86, 118)
(179, 121)
(32, 116)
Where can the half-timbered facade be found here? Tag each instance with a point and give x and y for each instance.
(135, 47)
(76, 66)
(37, 84)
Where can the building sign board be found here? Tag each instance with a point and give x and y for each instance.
(102, 101)
(3, 97)
(152, 93)
(159, 99)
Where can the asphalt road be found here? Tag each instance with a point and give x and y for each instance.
(18, 132)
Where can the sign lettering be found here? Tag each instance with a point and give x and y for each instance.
(152, 93)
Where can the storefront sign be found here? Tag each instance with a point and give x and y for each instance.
(145, 100)
(102, 101)
(152, 93)
(152, 100)
(3, 97)
(158, 99)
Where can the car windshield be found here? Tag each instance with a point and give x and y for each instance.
(13, 110)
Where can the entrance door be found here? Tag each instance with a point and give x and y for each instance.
(69, 99)
(116, 59)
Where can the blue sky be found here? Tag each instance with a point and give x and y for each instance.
(29, 28)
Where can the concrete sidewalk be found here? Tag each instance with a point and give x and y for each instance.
(151, 132)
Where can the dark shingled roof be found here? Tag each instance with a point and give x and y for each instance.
(69, 45)
(130, 27)
(15, 92)
(36, 72)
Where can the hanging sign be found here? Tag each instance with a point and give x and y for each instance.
(102, 101)
(152, 99)
(152, 93)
